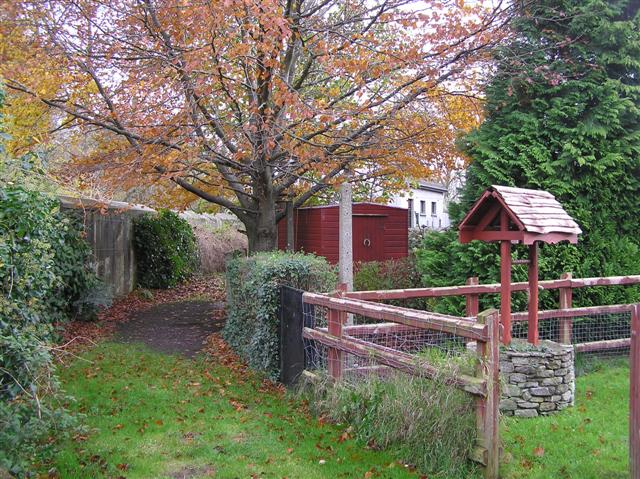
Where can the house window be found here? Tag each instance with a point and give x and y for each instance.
(423, 207)
(433, 208)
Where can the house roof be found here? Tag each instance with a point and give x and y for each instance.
(431, 186)
(534, 215)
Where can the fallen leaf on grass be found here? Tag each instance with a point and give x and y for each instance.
(538, 451)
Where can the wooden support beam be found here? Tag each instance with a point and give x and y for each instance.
(472, 299)
(396, 359)
(634, 395)
(410, 317)
(602, 345)
(487, 408)
(505, 281)
(532, 334)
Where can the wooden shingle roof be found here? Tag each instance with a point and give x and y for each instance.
(534, 215)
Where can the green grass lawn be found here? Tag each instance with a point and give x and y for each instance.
(588, 441)
(150, 415)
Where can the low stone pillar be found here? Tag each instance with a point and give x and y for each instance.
(536, 380)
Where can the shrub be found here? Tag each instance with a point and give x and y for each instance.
(45, 277)
(430, 424)
(165, 248)
(215, 244)
(390, 274)
(252, 327)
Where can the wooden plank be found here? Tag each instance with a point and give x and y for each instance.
(410, 317)
(532, 333)
(565, 332)
(575, 312)
(605, 281)
(602, 345)
(395, 359)
(472, 300)
(334, 356)
(487, 407)
(378, 328)
(490, 288)
(505, 282)
(634, 395)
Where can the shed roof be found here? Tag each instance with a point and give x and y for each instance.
(535, 214)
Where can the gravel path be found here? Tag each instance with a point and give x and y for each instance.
(174, 328)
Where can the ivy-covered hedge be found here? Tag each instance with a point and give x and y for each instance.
(45, 277)
(166, 249)
(252, 327)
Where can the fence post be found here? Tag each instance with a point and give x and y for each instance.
(487, 408)
(634, 398)
(336, 320)
(565, 331)
(472, 298)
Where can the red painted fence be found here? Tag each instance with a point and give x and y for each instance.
(484, 330)
(565, 313)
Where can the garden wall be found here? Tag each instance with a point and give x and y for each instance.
(109, 231)
(536, 380)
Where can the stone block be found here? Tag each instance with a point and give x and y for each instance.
(506, 367)
(542, 391)
(526, 413)
(547, 406)
(517, 378)
(551, 381)
(511, 390)
(508, 405)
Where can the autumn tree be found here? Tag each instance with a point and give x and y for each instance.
(246, 103)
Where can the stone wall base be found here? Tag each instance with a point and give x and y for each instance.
(536, 380)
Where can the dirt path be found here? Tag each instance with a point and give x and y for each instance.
(173, 328)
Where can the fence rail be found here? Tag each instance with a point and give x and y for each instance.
(340, 338)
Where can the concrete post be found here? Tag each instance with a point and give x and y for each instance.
(345, 242)
(290, 226)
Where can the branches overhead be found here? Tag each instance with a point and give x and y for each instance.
(245, 101)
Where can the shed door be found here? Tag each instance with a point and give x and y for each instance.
(368, 238)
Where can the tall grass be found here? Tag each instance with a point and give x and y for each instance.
(429, 424)
(215, 243)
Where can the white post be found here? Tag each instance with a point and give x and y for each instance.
(345, 242)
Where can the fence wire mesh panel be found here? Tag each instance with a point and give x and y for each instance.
(602, 333)
(450, 352)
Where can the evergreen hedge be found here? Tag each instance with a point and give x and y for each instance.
(166, 249)
(253, 296)
(45, 278)
(562, 114)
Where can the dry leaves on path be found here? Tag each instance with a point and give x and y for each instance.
(78, 334)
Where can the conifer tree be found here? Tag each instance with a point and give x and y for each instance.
(562, 114)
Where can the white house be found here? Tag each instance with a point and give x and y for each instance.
(427, 205)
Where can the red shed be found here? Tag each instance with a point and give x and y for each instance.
(380, 232)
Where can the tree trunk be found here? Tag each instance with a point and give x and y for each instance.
(262, 230)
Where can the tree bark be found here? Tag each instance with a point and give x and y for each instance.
(262, 230)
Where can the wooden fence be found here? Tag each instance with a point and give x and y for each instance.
(566, 284)
(565, 314)
(340, 339)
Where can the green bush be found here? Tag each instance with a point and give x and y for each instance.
(45, 277)
(253, 296)
(426, 422)
(444, 261)
(166, 249)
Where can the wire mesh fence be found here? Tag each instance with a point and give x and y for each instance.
(594, 333)
(450, 352)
